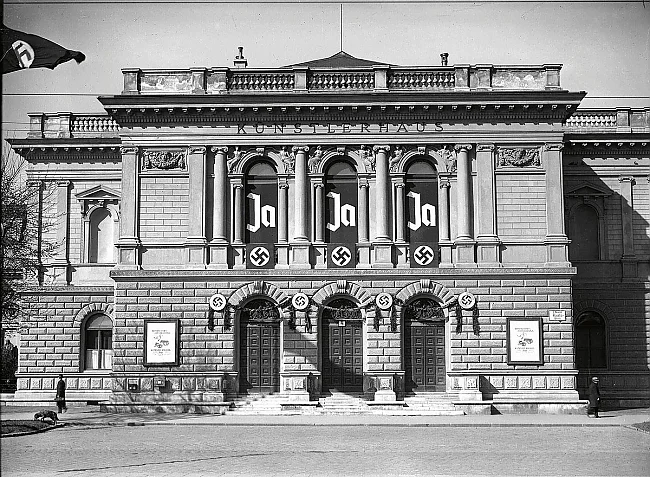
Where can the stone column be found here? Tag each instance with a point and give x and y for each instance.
(219, 242)
(556, 240)
(363, 247)
(129, 243)
(627, 210)
(464, 243)
(282, 246)
(382, 247)
(61, 260)
(319, 212)
(399, 212)
(196, 242)
(444, 239)
(238, 214)
(300, 246)
(486, 238)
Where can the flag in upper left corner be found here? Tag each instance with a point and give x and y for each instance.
(23, 50)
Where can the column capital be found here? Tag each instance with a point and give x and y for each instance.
(64, 183)
(554, 146)
(382, 148)
(283, 185)
(238, 186)
(629, 179)
(319, 185)
(399, 185)
(485, 147)
(34, 183)
(445, 184)
(297, 149)
(221, 149)
(461, 147)
(197, 149)
(128, 150)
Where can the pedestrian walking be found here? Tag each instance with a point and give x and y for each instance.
(594, 398)
(60, 395)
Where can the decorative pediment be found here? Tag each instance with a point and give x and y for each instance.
(588, 190)
(98, 196)
(98, 193)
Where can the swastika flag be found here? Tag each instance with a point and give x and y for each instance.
(22, 50)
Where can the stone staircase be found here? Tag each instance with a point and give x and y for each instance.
(259, 404)
(430, 404)
(341, 403)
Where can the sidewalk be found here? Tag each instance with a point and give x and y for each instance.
(82, 415)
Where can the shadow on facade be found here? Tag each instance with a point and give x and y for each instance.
(609, 291)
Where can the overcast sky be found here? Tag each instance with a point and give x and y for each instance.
(604, 47)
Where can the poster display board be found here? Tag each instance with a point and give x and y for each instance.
(161, 342)
(524, 341)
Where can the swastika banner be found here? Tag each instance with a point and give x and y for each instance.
(260, 256)
(341, 255)
(23, 50)
(423, 255)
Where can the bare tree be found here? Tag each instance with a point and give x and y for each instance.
(24, 223)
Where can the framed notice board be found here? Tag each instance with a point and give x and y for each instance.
(524, 341)
(161, 342)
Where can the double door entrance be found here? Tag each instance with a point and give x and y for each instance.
(259, 357)
(424, 356)
(342, 345)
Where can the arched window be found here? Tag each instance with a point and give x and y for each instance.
(591, 340)
(585, 234)
(98, 342)
(101, 237)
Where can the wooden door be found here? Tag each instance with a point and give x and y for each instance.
(424, 350)
(259, 357)
(343, 355)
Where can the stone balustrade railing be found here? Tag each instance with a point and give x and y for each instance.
(373, 78)
(609, 120)
(66, 125)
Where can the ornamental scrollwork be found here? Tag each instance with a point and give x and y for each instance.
(164, 160)
(518, 157)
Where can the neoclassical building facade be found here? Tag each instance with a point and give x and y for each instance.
(342, 225)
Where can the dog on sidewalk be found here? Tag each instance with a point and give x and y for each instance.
(42, 415)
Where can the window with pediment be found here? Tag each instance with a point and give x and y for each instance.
(100, 216)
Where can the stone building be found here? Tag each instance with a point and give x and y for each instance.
(458, 232)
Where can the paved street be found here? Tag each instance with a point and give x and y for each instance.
(199, 449)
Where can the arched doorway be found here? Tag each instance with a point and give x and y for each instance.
(424, 347)
(259, 347)
(342, 344)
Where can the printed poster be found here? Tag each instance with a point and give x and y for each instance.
(525, 341)
(161, 342)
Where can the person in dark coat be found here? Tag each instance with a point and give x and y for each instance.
(60, 395)
(594, 398)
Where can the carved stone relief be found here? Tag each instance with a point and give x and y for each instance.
(315, 160)
(518, 157)
(165, 160)
(447, 158)
(288, 159)
(395, 159)
(232, 162)
(368, 158)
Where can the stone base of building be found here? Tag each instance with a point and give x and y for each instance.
(166, 407)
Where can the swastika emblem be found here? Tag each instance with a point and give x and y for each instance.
(218, 302)
(259, 256)
(341, 256)
(423, 255)
(24, 53)
(300, 301)
(384, 301)
(466, 300)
